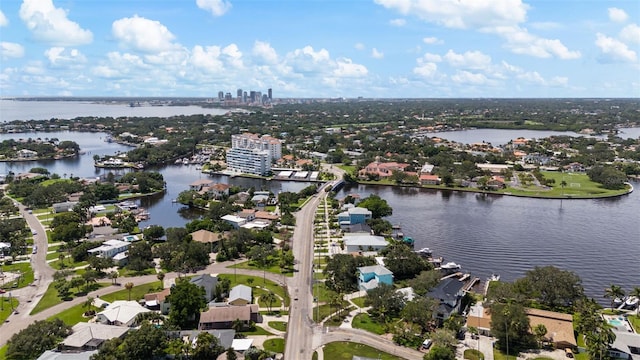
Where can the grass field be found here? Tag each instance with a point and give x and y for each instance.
(275, 345)
(26, 277)
(278, 325)
(73, 315)
(364, 322)
(50, 297)
(6, 307)
(137, 292)
(577, 186)
(344, 350)
(275, 269)
(359, 301)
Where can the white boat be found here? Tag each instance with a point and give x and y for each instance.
(632, 301)
(450, 266)
(494, 277)
(424, 251)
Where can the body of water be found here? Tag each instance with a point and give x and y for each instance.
(597, 239)
(45, 110)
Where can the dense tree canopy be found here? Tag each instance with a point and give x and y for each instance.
(187, 300)
(36, 338)
(378, 206)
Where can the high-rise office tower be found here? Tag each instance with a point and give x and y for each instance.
(220, 95)
(239, 95)
(270, 92)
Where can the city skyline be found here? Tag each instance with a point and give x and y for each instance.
(371, 49)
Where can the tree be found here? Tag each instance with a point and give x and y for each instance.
(114, 276)
(419, 311)
(444, 338)
(385, 302)
(379, 207)
(613, 292)
(425, 281)
(440, 353)
(207, 347)
(341, 272)
(540, 331)
(555, 288)
(269, 298)
(140, 256)
(407, 334)
(636, 292)
(153, 232)
(36, 338)
(129, 286)
(161, 276)
(403, 262)
(147, 342)
(231, 354)
(598, 341)
(510, 325)
(187, 299)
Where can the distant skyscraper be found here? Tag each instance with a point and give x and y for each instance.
(220, 95)
(239, 95)
(270, 94)
(244, 97)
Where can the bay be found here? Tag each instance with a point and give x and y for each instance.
(44, 110)
(597, 239)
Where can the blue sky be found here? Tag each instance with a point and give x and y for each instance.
(314, 48)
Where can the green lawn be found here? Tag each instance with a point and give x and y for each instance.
(275, 345)
(3, 352)
(275, 269)
(50, 297)
(257, 330)
(365, 322)
(578, 186)
(67, 263)
(24, 269)
(124, 272)
(326, 310)
(278, 325)
(359, 301)
(137, 292)
(498, 355)
(6, 307)
(635, 322)
(73, 315)
(344, 350)
(473, 354)
(260, 293)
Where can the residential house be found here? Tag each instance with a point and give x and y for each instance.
(208, 283)
(27, 154)
(449, 293)
(206, 236)
(90, 336)
(198, 185)
(225, 337)
(223, 317)
(240, 295)
(121, 313)
(625, 346)
(496, 183)
(57, 355)
(382, 169)
(480, 318)
(234, 220)
(559, 327)
(428, 179)
(354, 215)
(158, 301)
(369, 277)
(63, 206)
(427, 168)
(356, 242)
(218, 191)
(110, 248)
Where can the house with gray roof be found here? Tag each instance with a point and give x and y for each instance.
(90, 336)
(356, 242)
(449, 293)
(240, 295)
(208, 283)
(625, 346)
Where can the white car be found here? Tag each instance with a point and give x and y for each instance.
(34, 232)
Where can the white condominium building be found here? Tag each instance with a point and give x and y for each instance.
(249, 161)
(254, 141)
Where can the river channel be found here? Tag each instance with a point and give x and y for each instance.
(597, 239)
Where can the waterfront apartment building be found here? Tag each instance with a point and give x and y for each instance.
(249, 161)
(254, 141)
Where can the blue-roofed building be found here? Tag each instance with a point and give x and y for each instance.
(369, 277)
(354, 215)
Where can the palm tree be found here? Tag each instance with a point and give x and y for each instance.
(161, 278)
(613, 292)
(636, 292)
(238, 325)
(270, 298)
(540, 331)
(114, 276)
(129, 286)
(598, 341)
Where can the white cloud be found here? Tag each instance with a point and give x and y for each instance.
(308, 60)
(466, 77)
(431, 40)
(216, 7)
(346, 68)
(233, 56)
(11, 50)
(630, 34)
(359, 46)
(51, 25)
(425, 69)
(207, 58)
(264, 51)
(462, 14)
(61, 56)
(614, 50)
(142, 34)
(432, 57)
(3, 19)
(520, 41)
(468, 60)
(617, 15)
(499, 17)
(377, 54)
(398, 22)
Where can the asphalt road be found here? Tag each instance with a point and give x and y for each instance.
(300, 327)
